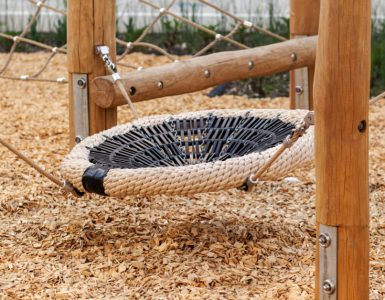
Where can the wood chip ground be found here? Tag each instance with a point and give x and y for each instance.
(227, 245)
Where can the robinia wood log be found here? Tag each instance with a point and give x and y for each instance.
(90, 23)
(206, 71)
(304, 20)
(341, 130)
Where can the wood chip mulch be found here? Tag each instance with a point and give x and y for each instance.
(227, 245)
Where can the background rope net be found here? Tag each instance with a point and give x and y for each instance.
(167, 11)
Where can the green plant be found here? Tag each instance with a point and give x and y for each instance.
(59, 36)
(33, 33)
(132, 33)
(378, 57)
(5, 44)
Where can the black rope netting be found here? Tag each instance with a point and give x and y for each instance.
(179, 142)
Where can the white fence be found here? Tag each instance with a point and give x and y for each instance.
(14, 14)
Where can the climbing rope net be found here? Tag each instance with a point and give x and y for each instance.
(168, 11)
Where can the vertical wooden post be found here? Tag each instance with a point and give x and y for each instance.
(90, 23)
(304, 19)
(341, 119)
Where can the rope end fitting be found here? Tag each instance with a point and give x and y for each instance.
(249, 185)
(70, 189)
(309, 119)
(104, 52)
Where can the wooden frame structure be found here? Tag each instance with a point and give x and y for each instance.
(304, 20)
(90, 23)
(341, 115)
(341, 91)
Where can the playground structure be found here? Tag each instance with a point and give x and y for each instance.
(341, 85)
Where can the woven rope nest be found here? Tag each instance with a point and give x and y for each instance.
(186, 154)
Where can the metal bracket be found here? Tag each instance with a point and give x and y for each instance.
(301, 80)
(81, 117)
(104, 53)
(328, 247)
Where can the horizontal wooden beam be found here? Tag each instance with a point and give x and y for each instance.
(202, 72)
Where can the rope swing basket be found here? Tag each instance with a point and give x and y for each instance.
(189, 153)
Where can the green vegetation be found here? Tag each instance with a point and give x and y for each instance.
(378, 57)
(179, 38)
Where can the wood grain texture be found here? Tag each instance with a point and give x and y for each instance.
(304, 21)
(80, 37)
(189, 76)
(342, 89)
(304, 17)
(90, 23)
(104, 34)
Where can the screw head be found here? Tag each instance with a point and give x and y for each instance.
(324, 240)
(298, 90)
(82, 83)
(207, 73)
(160, 85)
(132, 90)
(250, 65)
(78, 139)
(362, 126)
(293, 56)
(328, 286)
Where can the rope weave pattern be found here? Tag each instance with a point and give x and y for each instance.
(191, 179)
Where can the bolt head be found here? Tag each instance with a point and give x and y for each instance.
(324, 240)
(328, 286)
(78, 139)
(82, 83)
(362, 126)
(207, 73)
(293, 56)
(298, 90)
(250, 65)
(160, 85)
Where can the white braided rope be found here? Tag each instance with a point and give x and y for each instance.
(191, 179)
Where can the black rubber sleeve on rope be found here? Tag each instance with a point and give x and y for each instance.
(93, 178)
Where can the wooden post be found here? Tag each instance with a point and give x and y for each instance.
(304, 19)
(90, 23)
(341, 129)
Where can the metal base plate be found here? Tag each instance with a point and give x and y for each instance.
(328, 247)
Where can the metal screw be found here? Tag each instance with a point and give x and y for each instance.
(362, 126)
(250, 64)
(298, 90)
(132, 91)
(78, 139)
(82, 83)
(293, 56)
(324, 240)
(328, 286)
(207, 73)
(160, 85)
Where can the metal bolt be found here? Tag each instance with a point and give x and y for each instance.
(362, 126)
(160, 85)
(207, 73)
(78, 139)
(324, 240)
(250, 64)
(132, 91)
(298, 90)
(293, 56)
(328, 286)
(82, 83)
